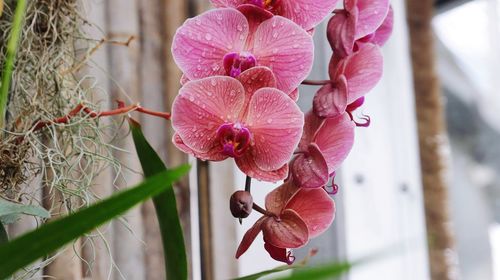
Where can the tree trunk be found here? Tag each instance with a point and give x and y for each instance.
(432, 139)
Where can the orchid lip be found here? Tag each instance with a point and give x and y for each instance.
(234, 139)
(236, 63)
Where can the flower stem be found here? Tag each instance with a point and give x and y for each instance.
(248, 183)
(122, 109)
(262, 210)
(315, 82)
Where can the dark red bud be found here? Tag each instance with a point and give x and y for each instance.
(241, 204)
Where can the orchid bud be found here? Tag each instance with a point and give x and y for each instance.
(241, 203)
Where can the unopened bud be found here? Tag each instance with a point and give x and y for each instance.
(241, 204)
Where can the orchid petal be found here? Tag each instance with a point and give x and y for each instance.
(276, 124)
(383, 33)
(247, 165)
(335, 139)
(331, 100)
(278, 198)
(215, 154)
(340, 32)
(316, 209)
(201, 42)
(253, 79)
(363, 70)
(306, 13)
(311, 125)
(250, 236)
(286, 49)
(287, 231)
(279, 254)
(310, 169)
(202, 106)
(371, 15)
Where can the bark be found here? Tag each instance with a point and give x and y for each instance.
(432, 139)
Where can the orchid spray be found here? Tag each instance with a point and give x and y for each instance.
(242, 63)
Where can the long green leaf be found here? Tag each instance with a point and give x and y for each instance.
(10, 57)
(4, 238)
(166, 209)
(327, 271)
(39, 243)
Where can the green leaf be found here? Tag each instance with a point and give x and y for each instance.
(10, 212)
(4, 237)
(166, 209)
(39, 243)
(10, 57)
(328, 271)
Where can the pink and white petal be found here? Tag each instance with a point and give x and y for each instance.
(214, 154)
(250, 236)
(278, 198)
(294, 95)
(247, 165)
(275, 122)
(331, 100)
(184, 80)
(306, 13)
(309, 169)
(340, 33)
(287, 231)
(311, 125)
(335, 140)
(286, 49)
(371, 15)
(383, 33)
(255, 16)
(279, 254)
(200, 44)
(253, 79)
(363, 70)
(202, 106)
(315, 207)
(227, 3)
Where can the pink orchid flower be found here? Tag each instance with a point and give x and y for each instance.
(351, 78)
(325, 144)
(306, 13)
(361, 21)
(244, 118)
(294, 216)
(229, 42)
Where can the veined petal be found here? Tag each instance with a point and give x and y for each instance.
(214, 154)
(383, 33)
(307, 13)
(340, 32)
(286, 49)
(275, 122)
(253, 79)
(250, 236)
(247, 165)
(278, 198)
(279, 254)
(311, 125)
(287, 231)
(202, 106)
(200, 44)
(331, 100)
(363, 70)
(310, 169)
(335, 139)
(371, 15)
(316, 209)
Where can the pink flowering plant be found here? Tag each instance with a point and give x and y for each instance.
(243, 62)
